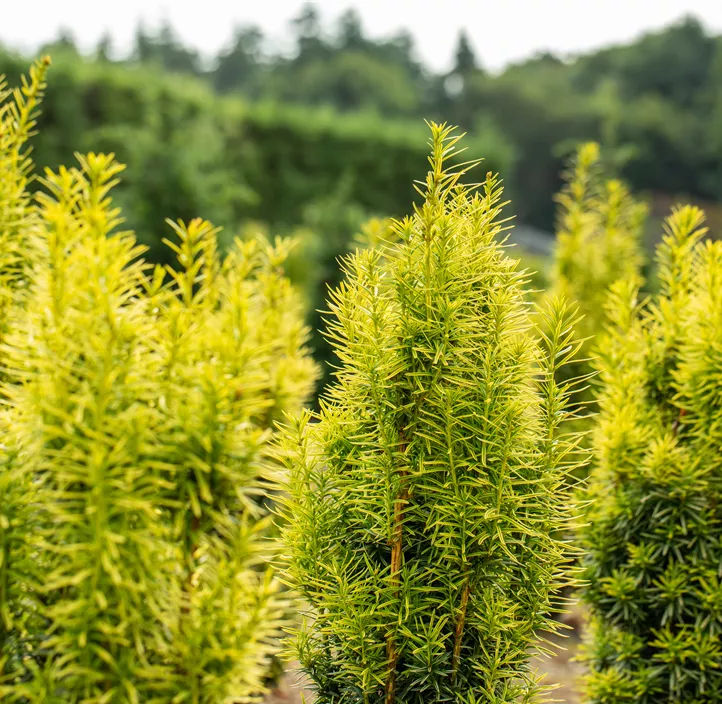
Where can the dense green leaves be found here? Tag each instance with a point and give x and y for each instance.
(653, 103)
(424, 501)
(654, 538)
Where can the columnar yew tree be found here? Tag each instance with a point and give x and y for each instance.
(424, 498)
(655, 533)
(138, 407)
(83, 420)
(230, 337)
(599, 228)
(18, 231)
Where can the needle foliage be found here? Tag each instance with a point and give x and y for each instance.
(139, 404)
(18, 232)
(599, 228)
(18, 113)
(598, 241)
(424, 498)
(655, 539)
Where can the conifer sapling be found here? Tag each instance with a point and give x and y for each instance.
(598, 236)
(598, 241)
(138, 406)
(424, 498)
(654, 538)
(18, 231)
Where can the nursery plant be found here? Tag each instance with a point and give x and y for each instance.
(424, 499)
(598, 241)
(18, 227)
(599, 229)
(18, 113)
(138, 409)
(654, 536)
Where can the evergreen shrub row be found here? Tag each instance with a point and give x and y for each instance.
(152, 425)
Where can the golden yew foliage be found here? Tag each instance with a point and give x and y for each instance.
(18, 232)
(599, 226)
(599, 229)
(426, 498)
(139, 404)
(18, 112)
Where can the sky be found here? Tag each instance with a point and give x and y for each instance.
(501, 31)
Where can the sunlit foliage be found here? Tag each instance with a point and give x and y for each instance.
(139, 403)
(425, 497)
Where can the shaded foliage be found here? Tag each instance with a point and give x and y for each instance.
(653, 538)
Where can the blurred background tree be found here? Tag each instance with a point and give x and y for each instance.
(660, 92)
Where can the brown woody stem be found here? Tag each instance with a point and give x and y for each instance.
(396, 560)
(459, 631)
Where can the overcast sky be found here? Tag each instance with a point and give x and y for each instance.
(502, 31)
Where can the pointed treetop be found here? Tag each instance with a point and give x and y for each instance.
(464, 57)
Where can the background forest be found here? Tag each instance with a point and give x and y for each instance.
(654, 105)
